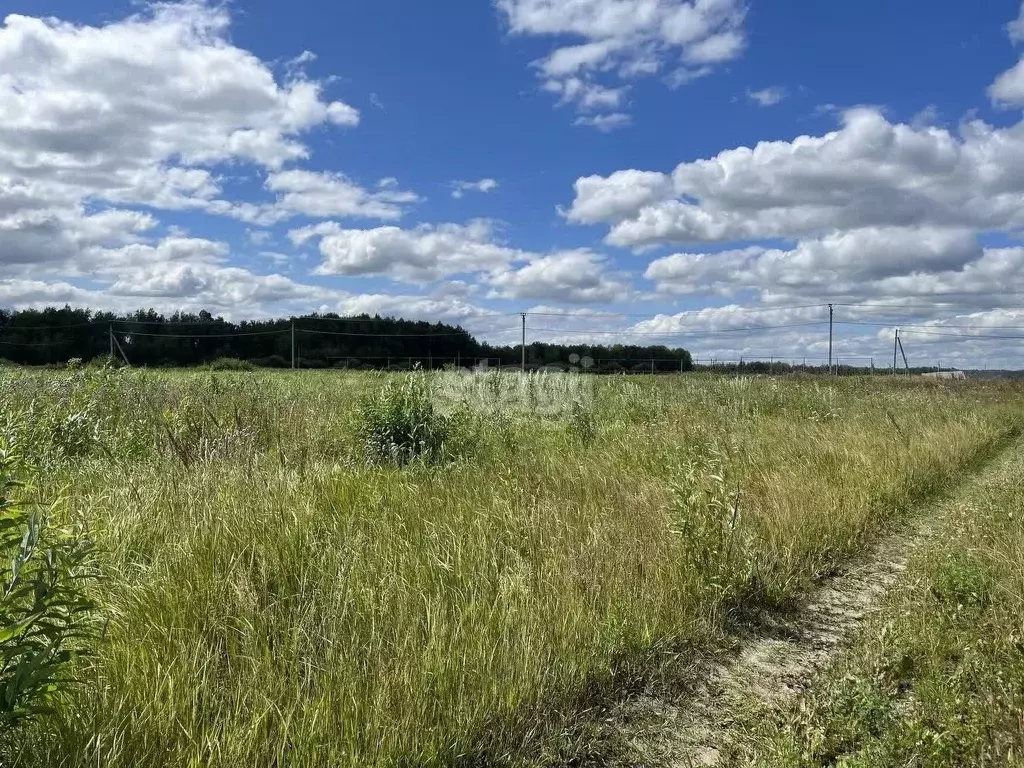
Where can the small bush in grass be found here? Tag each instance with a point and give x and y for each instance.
(399, 424)
(582, 424)
(961, 581)
(273, 361)
(46, 616)
(74, 434)
(102, 363)
(231, 364)
(706, 517)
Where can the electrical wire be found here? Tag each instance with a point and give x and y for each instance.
(203, 335)
(394, 335)
(39, 343)
(962, 335)
(742, 310)
(937, 327)
(51, 327)
(680, 333)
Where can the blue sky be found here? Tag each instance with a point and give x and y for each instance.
(582, 158)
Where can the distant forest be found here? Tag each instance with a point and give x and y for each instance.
(146, 338)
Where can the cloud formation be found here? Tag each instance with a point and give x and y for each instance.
(603, 45)
(419, 255)
(163, 89)
(869, 173)
(321, 194)
(767, 97)
(460, 188)
(605, 123)
(854, 265)
(98, 121)
(578, 276)
(428, 253)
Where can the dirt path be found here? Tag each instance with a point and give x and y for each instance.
(770, 668)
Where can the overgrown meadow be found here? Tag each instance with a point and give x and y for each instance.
(334, 569)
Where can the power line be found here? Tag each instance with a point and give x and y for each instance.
(897, 302)
(288, 330)
(39, 343)
(385, 335)
(964, 335)
(741, 310)
(937, 327)
(219, 323)
(203, 335)
(189, 324)
(51, 327)
(682, 333)
(373, 319)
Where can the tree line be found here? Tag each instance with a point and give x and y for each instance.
(145, 337)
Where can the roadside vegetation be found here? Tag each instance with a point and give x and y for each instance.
(936, 678)
(426, 569)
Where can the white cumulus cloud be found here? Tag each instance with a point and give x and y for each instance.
(160, 87)
(854, 264)
(567, 276)
(869, 173)
(767, 97)
(321, 194)
(149, 111)
(418, 255)
(605, 123)
(1015, 29)
(601, 45)
(460, 188)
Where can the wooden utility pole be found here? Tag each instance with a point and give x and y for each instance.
(906, 365)
(522, 366)
(120, 349)
(895, 350)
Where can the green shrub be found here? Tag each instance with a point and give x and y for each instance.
(961, 581)
(46, 616)
(102, 363)
(706, 518)
(231, 364)
(582, 424)
(399, 424)
(74, 434)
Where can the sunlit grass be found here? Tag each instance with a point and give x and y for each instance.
(276, 599)
(936, 677)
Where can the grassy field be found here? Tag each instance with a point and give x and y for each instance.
(281, 585)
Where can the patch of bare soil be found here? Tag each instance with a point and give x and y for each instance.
(768, 669)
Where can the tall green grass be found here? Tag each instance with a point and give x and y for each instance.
(277, 595)
(46, 616)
